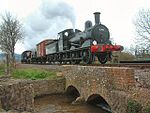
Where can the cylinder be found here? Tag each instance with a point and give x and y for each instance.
(97, 17)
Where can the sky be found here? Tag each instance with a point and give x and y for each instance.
(43, 19)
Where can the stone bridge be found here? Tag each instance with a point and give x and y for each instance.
(112, 87)
(106, 85)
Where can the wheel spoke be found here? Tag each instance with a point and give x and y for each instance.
(87, 56)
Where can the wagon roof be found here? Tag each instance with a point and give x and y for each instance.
(48, 40)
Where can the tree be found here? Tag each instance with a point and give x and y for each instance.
(10, 33)
(142, 24)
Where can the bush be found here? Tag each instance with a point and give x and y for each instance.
(33, 74)
(133, 107)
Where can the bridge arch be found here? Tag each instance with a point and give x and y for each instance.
(99, 101)
(72, 91)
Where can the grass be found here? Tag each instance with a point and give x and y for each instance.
(134, 107)
(33, 74)
(2, 69)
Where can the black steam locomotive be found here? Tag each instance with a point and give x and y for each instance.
(74, 46)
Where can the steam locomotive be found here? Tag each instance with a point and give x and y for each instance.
(74, 46)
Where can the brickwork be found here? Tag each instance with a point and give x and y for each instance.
(123, 78)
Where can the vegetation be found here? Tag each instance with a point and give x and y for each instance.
(142, 26)
(2, 69)
(10, 33)
(133, 107)
(126, 56)
(33, 74)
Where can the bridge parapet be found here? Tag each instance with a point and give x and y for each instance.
(120, 78)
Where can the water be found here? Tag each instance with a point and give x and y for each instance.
(62, 104)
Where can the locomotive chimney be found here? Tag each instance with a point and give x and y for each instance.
(97, 17)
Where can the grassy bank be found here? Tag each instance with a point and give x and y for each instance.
(28, 73)
(33, 74)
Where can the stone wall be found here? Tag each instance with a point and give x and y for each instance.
(142, 77)
(118, 101)
(44, 87)
(19, 94)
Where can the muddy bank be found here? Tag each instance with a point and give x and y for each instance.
(61, 103)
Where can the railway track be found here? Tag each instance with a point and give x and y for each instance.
(137, 62)
(132, 65)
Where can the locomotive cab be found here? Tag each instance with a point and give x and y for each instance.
(64, 37)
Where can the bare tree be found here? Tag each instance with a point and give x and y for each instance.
(142, 24)
(10, 33)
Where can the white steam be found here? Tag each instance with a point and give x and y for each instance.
(59, 10)
(52, 17)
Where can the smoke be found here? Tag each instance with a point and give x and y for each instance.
(51, 17)
(58, 10)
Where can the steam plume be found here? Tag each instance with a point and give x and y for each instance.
(59, 10)
(52, 17)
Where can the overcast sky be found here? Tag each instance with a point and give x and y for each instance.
(43, 19)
